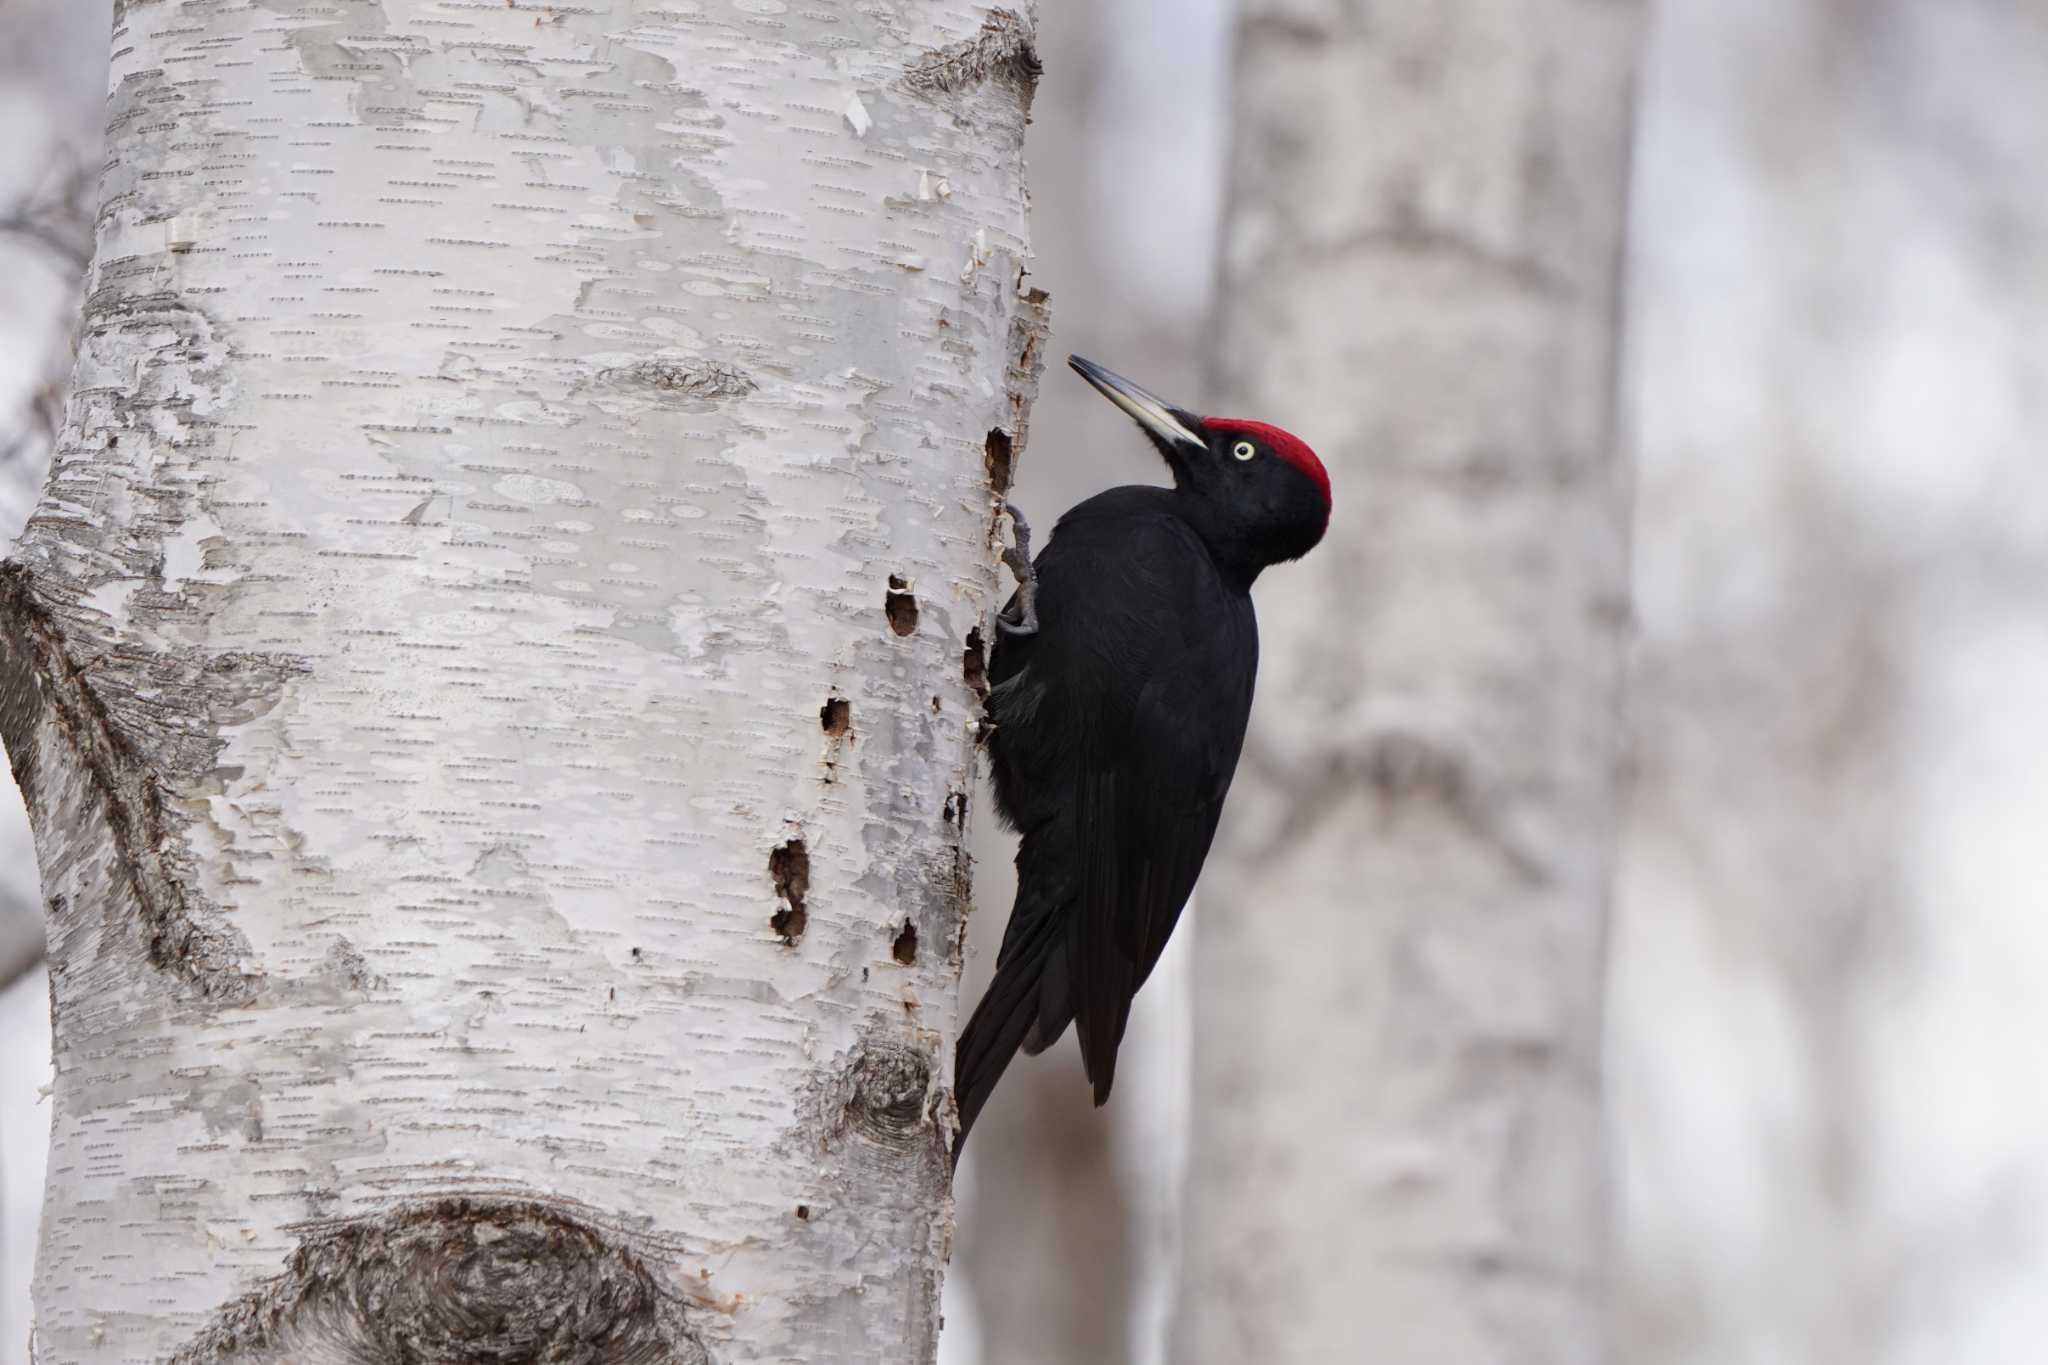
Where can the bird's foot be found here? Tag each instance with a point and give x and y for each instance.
(1024, 619)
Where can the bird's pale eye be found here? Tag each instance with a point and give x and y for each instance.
(1244, 450)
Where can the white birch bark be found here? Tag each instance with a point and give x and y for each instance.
(487, 675)
(1396, 1152)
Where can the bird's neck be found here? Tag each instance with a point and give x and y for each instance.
(1235, 555)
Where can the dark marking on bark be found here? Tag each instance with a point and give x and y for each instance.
(974, 664)
(836, 716)
(122, 7)
(789, 867)
(995, 457)
(1004, 52)
(901, 605)
(455, 1282)
(904, 949)
(684, 378)
(39, 683)
(346, 965)
(956, 947)
(962, 872)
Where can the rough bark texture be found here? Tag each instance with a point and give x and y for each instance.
(486, 676)
(1397, 1148)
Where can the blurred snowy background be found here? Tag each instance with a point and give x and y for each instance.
(1830, 970)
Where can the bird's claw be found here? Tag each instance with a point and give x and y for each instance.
(1018, 557)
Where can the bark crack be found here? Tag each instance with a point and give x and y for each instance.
(687, 378)
(40, 683)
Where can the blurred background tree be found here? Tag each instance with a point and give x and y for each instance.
(1831, 967)
(1830, 961)
(1399, 965)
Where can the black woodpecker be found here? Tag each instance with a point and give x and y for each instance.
(1120, 685)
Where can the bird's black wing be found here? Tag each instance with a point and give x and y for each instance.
(1118, 730)
(1146, 810)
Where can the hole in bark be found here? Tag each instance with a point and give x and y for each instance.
(956, 809)
(936, 707)
(836, 716)
(905, 947)
(901, 606)
(974, 664)
(996, 456)
(803, 1212)
(789, 867)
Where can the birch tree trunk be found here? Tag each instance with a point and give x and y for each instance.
(487, 676)
(1397, 1153)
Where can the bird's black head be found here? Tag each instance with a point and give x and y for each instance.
(1256, 494)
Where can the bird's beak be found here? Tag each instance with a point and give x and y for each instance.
(1165, 424)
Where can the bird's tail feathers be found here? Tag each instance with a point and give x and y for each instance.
(1055, 1004)
(1025, 1007)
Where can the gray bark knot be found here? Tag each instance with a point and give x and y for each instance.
(1004, 52)
(456, 1282)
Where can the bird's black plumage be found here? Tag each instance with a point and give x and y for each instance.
(1118, 724)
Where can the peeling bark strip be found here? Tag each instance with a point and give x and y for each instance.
(1030, 325)
(428, 615)
(455, 1281)
(67, 751)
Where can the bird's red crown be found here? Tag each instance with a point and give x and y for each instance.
(1285, 444)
